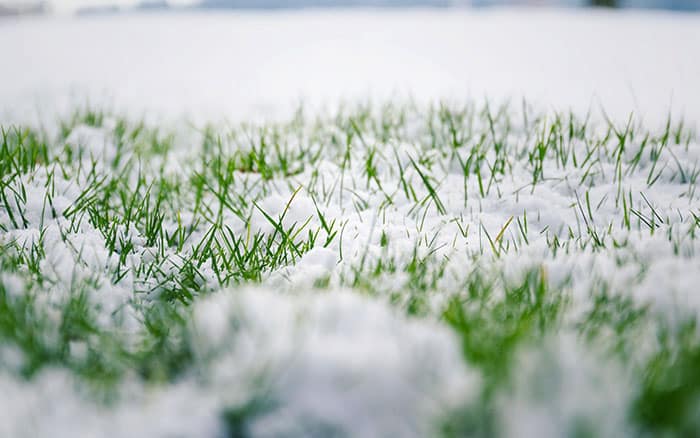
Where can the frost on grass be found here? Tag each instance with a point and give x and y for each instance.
(381, 270)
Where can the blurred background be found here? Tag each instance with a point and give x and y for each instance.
(82, 7)
(167, 58)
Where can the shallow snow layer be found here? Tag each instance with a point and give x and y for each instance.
(303, 365)
(236, 65)
(333, 360)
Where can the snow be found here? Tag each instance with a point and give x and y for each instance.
(332, 359)
(335, 359)
(236, 65)
(52, 405)
(335, 362)
(562, 390)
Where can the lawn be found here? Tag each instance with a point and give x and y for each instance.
(380, 269)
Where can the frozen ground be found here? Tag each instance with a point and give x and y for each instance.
(419, 258)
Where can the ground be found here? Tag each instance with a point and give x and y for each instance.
(492, 238)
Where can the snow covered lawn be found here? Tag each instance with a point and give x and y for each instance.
(194, 258)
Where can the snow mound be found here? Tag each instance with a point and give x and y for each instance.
(334, 363)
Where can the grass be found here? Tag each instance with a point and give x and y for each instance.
(510, 227)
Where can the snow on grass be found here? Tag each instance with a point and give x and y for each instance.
(558, 393)
(331, 363)
(417, 266)
(404, 267)
(269, 365)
